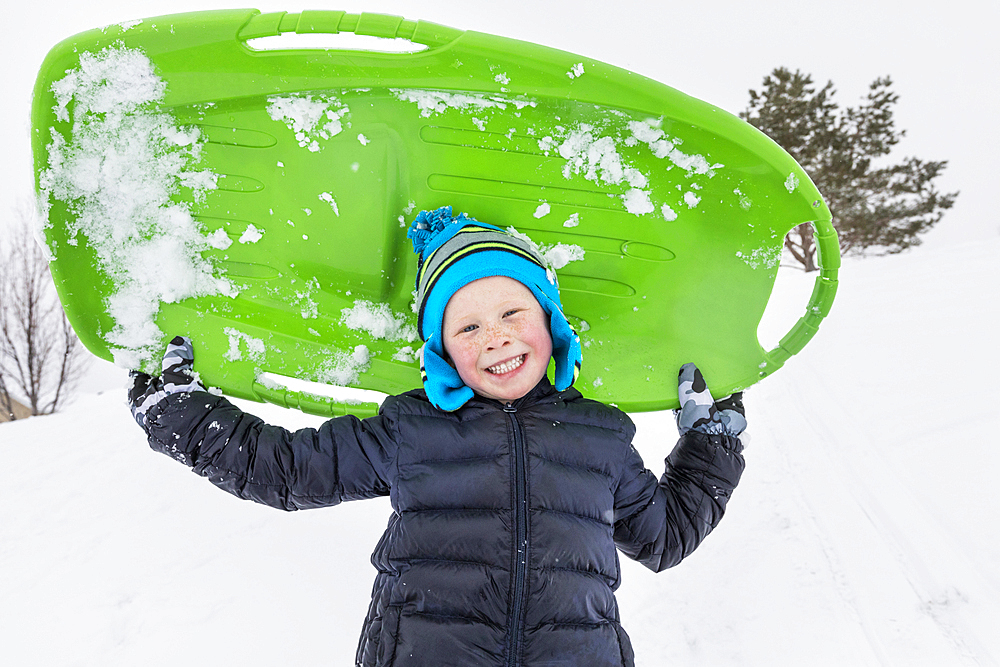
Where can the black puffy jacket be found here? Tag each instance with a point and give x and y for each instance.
(501, 548)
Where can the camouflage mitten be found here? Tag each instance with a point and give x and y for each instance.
(699, 412)
(177, 377)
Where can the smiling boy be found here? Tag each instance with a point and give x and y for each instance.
(511, 494)
(496, 335)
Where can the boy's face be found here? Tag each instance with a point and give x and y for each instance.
(497, 337)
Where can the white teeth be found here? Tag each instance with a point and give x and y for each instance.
(507, 367)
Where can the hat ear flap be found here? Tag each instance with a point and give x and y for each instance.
(566, 350)
(442, 383)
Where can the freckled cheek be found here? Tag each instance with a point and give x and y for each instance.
(464, 353)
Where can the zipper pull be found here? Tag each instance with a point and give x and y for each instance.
(509, 407)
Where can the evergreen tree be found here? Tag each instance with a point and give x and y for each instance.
(876, 209)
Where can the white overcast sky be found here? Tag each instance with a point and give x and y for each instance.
(943, 56)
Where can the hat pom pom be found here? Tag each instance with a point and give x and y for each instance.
(426, 227)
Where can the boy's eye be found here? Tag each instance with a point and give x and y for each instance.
(510, 312)
(471, 327)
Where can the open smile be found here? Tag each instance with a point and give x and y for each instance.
(507, 366)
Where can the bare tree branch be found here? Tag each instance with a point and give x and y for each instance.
(40, 355)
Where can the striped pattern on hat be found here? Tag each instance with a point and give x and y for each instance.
(472, 238)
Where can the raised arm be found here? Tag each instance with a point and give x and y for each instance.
(345, 459)
(660, 522)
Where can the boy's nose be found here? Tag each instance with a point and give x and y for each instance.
(498, 337)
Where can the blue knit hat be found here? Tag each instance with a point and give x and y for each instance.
(453, 252)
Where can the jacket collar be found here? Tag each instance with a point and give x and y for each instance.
(542, 392)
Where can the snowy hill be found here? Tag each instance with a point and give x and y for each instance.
(865, 530)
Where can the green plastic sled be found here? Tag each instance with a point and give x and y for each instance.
(286, 179)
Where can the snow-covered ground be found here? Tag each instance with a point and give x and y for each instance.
(864, 532)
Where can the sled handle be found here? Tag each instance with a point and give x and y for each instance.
(824, 291)
(333, 22)
(311, 403)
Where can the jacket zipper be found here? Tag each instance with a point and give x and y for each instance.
(520, 537)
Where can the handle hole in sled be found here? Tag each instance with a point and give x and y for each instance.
(791, 291)
(343, 41)
(340, 394)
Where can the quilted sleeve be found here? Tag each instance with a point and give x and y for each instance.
(345, 459)
(660, 522)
